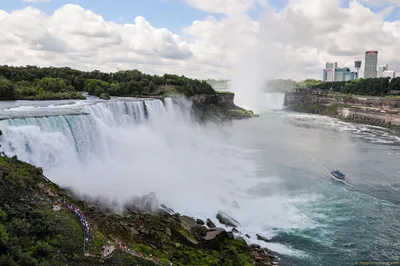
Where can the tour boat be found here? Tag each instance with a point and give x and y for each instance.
(337, 175)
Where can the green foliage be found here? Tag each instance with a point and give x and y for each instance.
(370, 87)
(105, 96)
(33, 83)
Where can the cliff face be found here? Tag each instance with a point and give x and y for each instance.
(218, 107)
(385, 104)
(373, 110)
(219, 98)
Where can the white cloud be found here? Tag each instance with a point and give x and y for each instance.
(294, 42)
(225, 6)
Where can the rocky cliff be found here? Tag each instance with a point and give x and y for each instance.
(217, 107)
(373, 110)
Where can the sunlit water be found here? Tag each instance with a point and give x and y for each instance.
(270, 173)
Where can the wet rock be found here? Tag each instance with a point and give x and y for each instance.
(146, 203)
(262, 238)
(188, 222)
(200, 222)
(227, 220)
(199, 232)
(230, 235)
(210, 224)
(235, 231)
(214, 238)
(247, 236)
(184, 236)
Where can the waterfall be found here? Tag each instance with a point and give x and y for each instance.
(275, 100)
(50, 140)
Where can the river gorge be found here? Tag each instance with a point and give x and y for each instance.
(269, 172)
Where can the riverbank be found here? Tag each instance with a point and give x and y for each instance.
(378, 111)
(40, 223)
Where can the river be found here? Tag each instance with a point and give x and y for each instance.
(270, 173)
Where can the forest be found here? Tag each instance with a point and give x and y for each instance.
(51, 83)
(370, 87)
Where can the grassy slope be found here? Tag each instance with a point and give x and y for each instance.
(32, 234)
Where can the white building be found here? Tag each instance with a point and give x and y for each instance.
(329, 72)
(384, 72)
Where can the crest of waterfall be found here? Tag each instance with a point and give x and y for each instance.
(49, 140)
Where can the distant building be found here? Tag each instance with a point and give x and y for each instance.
(384, 72)
(371, 61)
(329, 72)
(344, 74)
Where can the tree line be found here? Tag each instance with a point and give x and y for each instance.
(370, 86)
(31, 82)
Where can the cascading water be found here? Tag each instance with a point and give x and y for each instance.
(124, 148)
(274, 100)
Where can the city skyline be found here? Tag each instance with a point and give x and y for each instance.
(372, 69)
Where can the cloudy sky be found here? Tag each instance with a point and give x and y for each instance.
(199, 38)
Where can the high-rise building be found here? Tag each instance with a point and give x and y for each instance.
(329, 71)
(371, 61)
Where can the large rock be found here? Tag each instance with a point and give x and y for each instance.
(188, 222)
(199, 232)
(146, 203)
(227, 220)
(214, 238)
(210, 224)
(184, 236)
(200, 222)
(262, 238)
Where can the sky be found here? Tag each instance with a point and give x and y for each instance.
(200, 38)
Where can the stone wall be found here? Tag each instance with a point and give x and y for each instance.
(378, 103)
(372, 110)
(374, 117)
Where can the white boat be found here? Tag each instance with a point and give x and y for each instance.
(338, 176)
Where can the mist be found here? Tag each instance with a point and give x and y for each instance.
(264, 60)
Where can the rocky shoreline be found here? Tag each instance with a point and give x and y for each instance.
(375, 111)
(31, 214)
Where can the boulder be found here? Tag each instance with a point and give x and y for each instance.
(200, 222)
(247, 236)
(210, 224)
(185, 237)
(214, 238)
(262, 238)
(235, 231)
(230, 235)
(199, 232)
(188, 222)
(227, 220)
